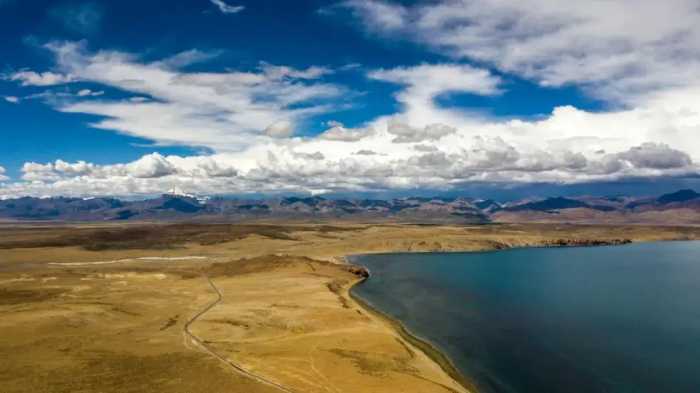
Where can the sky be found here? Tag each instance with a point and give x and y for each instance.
(230, 97)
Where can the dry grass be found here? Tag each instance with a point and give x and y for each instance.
(107, 330)
(139, 237)
(286, 312)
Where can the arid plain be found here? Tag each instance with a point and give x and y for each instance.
(228, 308)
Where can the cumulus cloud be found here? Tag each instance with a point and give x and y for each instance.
(211, 167)
(226, 8)
(147, 169)
(2, 174)
(655, 156)
(338, 132)
(405, 133)
(374, 162)
(151, 166)
(12, 99)
(33, 171)
(425, 148)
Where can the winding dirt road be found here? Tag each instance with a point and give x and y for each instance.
(207, 349)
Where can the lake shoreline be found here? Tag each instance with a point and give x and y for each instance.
(440, 356)
(424, 345)
(429, 349)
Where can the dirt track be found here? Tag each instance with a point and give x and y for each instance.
(207, 349)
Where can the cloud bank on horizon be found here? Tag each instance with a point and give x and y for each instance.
(644, 66)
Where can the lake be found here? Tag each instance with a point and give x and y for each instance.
(621, 319)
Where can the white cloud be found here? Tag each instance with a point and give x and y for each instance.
(247, 119)
(365, 152)
(2, 174)
(619, 49)
(33, 171)
(89, 93)
(655, 156)
(424, 83)
(31, 78)
(338, 132)
(76, 169)
(280, 129)
(372, 163)
(279, 72)
(226, 8)
(405, 133)
(380, 15)
(151, 166)
(11, 99)
(569, 146)
(425, 148)
(186, 58)
(229, 110)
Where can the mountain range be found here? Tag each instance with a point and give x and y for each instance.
(681, 207)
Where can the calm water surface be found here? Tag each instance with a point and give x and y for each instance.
(622, 319)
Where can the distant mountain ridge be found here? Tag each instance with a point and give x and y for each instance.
(680, 207)
(678, 196)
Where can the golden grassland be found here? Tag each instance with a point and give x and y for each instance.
(110, 308)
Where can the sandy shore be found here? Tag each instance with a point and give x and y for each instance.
(285, 313)
(421, 344)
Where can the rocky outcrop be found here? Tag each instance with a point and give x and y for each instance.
(585, 242)
(359, 271)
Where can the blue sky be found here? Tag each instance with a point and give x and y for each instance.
(240, 96)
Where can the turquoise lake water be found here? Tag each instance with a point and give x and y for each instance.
(620, 319)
